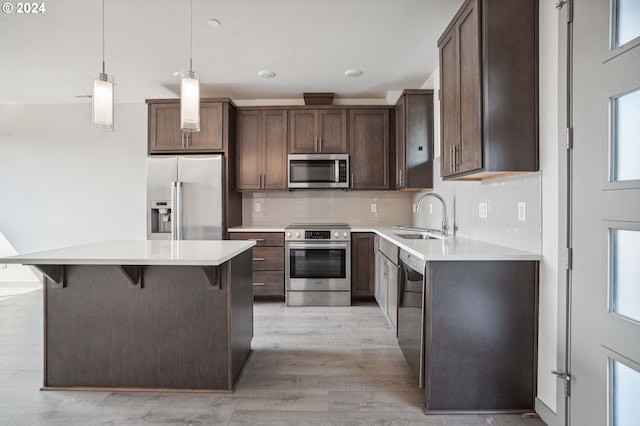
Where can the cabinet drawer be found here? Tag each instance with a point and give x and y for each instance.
(268, 283)
(268, 258)
(261, 238)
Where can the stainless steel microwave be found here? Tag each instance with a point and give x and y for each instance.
(318, 171)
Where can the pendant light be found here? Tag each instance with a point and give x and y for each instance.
(190, 92)
(103, 95)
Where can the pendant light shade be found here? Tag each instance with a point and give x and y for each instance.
(190, 90)
(103, 102)
(190, 102)
(103, 95)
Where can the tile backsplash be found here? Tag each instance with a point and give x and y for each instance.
(501, 226)
(352, 207)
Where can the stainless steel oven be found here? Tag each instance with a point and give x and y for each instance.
(318, 171)
(318, 265)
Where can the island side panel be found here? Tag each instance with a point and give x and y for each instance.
(101, 332)
(240, 284)
(481, 336)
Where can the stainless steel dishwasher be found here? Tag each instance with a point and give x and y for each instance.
(411, 312)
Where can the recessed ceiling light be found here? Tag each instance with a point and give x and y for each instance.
(213, 23)
(353, 73)
(266, 74)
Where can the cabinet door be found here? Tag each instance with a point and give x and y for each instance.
(248, 151)
(369, 148)
(274, 148)
(362, 264)
(332, 131)
(302, 132)
(400, 145)
(470, 149)
(209, 138)
(418, 141)
(392, 294)
(449, 102)
(164, 128)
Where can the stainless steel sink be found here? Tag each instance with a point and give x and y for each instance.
(416, 237)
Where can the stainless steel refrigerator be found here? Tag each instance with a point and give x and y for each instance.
(184, 197)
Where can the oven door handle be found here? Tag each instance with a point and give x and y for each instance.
(318, 245)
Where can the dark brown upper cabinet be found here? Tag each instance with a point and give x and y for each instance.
(414, 140)
(165, 136)
(313, 131)
(262, 150)
(489, 90)
(369, 148)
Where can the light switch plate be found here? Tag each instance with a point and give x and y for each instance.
(374, 207)
(522, 211)
(257, 207)
(483, 209)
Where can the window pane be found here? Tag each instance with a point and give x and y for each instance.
(627, 21)
(626, 273)
(626, 388)
(627, 136)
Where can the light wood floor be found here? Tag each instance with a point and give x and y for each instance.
(310, 366)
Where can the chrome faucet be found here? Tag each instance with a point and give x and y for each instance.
(445, 223)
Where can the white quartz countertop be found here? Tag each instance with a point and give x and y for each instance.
(139, 252)
(451, 249)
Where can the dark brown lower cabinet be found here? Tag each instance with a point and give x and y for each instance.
(362, 265)
(268, 262)
(481, 336)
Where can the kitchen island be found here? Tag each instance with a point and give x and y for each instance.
(174, 315)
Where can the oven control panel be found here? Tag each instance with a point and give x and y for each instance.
(318, 234)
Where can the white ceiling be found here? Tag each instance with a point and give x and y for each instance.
(51, 58)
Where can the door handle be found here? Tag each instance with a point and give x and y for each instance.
(174, 210)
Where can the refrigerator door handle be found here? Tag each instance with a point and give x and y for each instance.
(174, 210)
(179, 210)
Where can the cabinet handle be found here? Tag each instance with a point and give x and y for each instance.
(258, 259)
(256, 239)
(316, 144)
(320, 141)
(456, 156)
(182, 136)
(451, 158)
(401, 178)
(351, 180)
(258, 284)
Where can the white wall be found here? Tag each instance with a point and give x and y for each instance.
(63, 184)
(539, 233)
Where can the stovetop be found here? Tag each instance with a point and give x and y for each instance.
(318, 226)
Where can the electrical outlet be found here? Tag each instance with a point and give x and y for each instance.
(430, 208)
(257, 207)
(415, 208)
(374, 207)
(522, 211)
(483, 209)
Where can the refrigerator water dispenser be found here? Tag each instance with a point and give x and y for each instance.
(160, 217)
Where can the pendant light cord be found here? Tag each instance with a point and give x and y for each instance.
(103, 37)
(190, 38)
